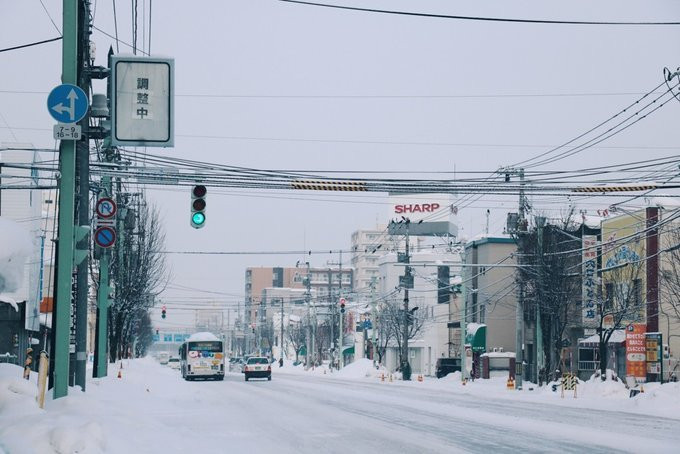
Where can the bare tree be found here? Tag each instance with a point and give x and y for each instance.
(552, 285)
(391, 322)
(138, 271)
(621, 303)
(670, 274)
(295, 335)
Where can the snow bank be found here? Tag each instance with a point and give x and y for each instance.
(202, 337)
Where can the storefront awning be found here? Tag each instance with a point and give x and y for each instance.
(476, 337)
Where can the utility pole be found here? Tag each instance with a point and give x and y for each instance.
(374, 319)
(101, 351)
(65, 247)
(340, 319)
(281, 330)
(308, 334)
(538, 331)
(519, 313)
(463, 329)
(405, 366)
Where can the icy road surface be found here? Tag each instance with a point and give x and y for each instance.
(151, 409)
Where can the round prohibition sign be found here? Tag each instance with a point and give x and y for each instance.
(105, 237)
(106, 208)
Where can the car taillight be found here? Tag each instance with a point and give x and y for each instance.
(269, 368)
(188, 367)
(246, 369)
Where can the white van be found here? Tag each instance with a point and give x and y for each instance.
(163, 357)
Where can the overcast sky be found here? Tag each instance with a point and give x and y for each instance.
(401, 93)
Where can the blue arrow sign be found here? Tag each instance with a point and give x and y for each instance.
(67, 103)
(105, 237)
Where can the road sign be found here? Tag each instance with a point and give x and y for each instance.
(67, 131)
(106, 208)
(67, 103)
(105, 236)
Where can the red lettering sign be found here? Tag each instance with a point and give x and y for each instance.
(417, 208)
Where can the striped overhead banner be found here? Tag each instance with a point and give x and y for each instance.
(329, 185)
(615, 188)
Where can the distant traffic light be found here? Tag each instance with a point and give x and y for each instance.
(163, 312)
(342, 305)
(198, 206)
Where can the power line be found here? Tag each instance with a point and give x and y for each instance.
(474, 18)
(50, 17)
(37, 43)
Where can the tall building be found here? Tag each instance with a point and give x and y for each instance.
(368, 245)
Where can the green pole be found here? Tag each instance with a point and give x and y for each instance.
(67, 167)
(102, 349)
(463, 328)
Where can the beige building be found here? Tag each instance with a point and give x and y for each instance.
(490, 293)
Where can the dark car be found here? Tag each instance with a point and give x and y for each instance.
(446, 366)
(258, 367)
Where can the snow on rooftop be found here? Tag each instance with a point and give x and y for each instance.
(202, 337)
(483, 236)
(11, 301)
(472, 328)
(15, 245)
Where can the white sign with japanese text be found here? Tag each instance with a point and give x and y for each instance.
(142, 106)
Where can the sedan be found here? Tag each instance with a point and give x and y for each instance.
(257, 367)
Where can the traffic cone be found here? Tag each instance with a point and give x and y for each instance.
(120, 375)
(382, 376)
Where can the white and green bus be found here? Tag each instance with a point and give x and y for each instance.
(202, 356)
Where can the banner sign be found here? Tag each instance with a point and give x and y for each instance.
(636, 354)
(654, 353)
(589, 281)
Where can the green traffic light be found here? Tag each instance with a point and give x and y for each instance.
(198, 218)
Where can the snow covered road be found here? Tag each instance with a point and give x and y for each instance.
(151, 409)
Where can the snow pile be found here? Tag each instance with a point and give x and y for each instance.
(15, 245)
(27, 428)
(361, 368)
(202, 337)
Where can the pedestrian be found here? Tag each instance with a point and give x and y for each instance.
(280, 362)
(28, 362)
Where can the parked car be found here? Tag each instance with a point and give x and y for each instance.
(446, 366)
(258, 367)
(235, 364)
(174, 363)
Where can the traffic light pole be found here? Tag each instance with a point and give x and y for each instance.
(67, 163)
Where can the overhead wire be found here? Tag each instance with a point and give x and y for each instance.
(475, 18)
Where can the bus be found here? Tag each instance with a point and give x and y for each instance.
(202, 356)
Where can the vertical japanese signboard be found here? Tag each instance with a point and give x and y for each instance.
(142, 101)
(654, 355)
(589, 281)
(636, 354)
